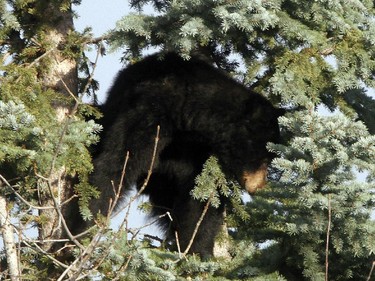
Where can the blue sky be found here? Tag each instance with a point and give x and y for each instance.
(101, 16)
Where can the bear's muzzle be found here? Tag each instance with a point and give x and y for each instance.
(254, 180)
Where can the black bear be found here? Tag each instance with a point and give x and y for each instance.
(201, 112)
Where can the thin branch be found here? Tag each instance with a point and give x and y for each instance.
(40, 57)
(152, 162)
(178, 245)
(61, 217)
(91, 77)
(78, 264)
(97, 39)
(328, 235)
(123, 267)
(198, 224)
(154, 221)
(136, 231)
(77, 101)
(372, 269)
(118, 192)
(19, 196)
(40, 250)
(83, 258)
(133, 198)
(153, 237)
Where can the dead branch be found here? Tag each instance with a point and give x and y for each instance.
(19, 196)
(38, 249)
(91, 77)
(198, 225)
(139, 193)
(117, 192)
(371, 270)
(178, 245)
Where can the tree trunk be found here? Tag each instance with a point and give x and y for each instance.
(62, 77)
(222, 241)
(8, 239)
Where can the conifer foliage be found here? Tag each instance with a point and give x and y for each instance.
(316, 59)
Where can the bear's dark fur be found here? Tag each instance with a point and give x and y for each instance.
(201, 112)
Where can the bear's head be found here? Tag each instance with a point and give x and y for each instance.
(247, 157)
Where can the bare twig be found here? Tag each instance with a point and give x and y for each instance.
(46, 53)
(19, 196)
(135, 197)
(152, 162)
(154, 221)
(83, 258)
(328, 235)
(123, 267)
(78, 264)
(198, 225)
(372, 269)
(117, 192)
(62, 219)
(77, 100)
(204, 212)
(153, 237)
(38, 249)
(91, 77)
(178, 244)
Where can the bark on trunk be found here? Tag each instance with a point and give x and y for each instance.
(8, 240)
(62, 77)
